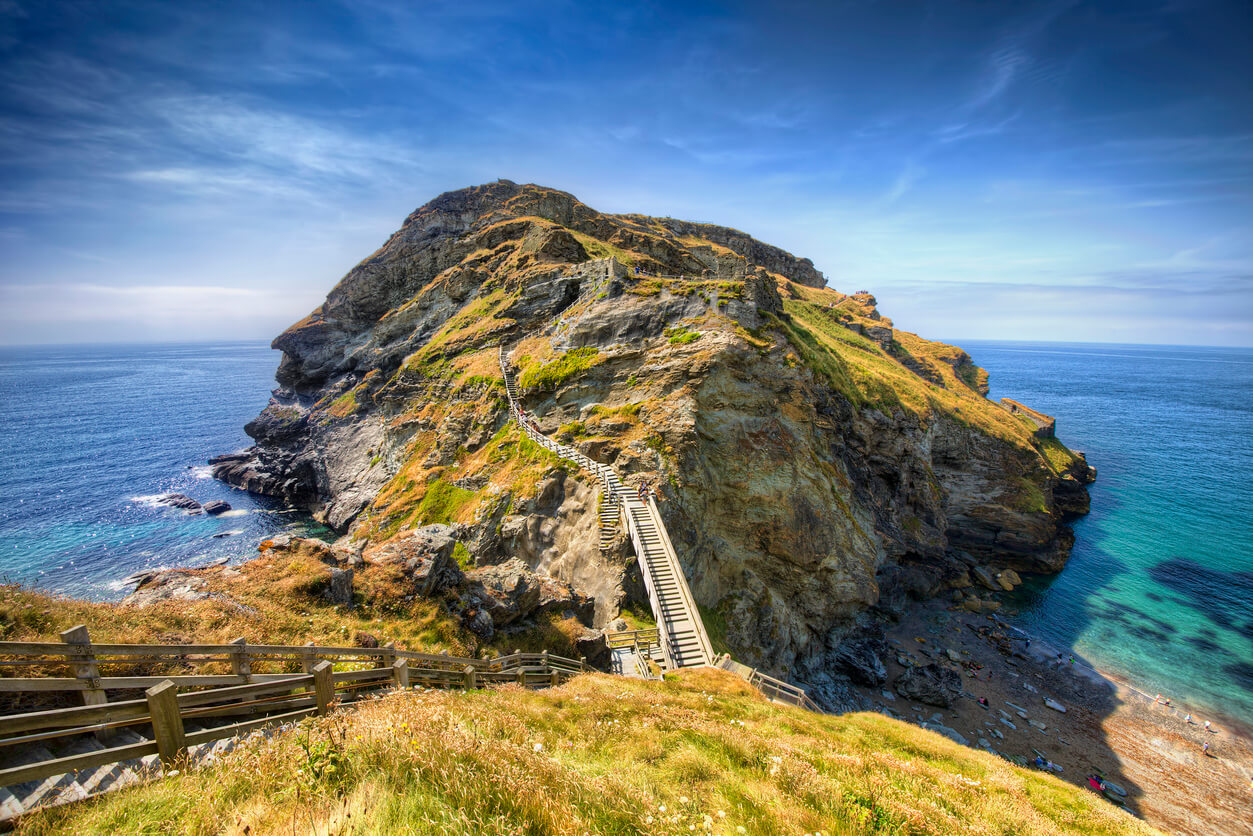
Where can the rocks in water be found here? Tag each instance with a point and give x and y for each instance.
(341, 587)
(985, 576)
(930, 684)
(861, 660)
(216, 506)
(231, 533)
(181, 501)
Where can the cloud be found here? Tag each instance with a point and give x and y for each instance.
(910, 174)
(57, 313)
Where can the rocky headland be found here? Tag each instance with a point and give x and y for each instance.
(819, 468)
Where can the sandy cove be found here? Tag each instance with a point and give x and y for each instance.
(1109, 727)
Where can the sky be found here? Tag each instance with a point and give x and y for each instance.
(1075, 171)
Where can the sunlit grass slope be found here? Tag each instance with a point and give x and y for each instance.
(702, 753)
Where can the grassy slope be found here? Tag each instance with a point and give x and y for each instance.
(601, 755)
(868, 376)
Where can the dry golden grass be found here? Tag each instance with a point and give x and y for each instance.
(700, 753)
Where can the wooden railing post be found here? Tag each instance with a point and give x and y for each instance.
(400, 673)
(83, 659)
(323, 686)
(583, 662)
(554, 678)
(388, 655)
(521, 676)
(471, 678)
(167, 723)
(308, 658)
(241, 664)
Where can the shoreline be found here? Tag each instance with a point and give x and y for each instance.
(1109, 727)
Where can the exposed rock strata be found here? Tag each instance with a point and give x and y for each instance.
(816, 463)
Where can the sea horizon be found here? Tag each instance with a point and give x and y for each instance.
(957, 341)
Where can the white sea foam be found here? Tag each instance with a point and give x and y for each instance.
(203, 472)
(152, 501)
(234, 512)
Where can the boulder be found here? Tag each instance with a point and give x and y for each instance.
(179, 585)
(178, 500)
(507, 591)
(365, 640)
(984, 576)
(341, 587)
(215, 507)
(861, 661)
(562, 598)
(930, 684)
(590, 644)
(426, 557)
(950, 733)
(478, 622)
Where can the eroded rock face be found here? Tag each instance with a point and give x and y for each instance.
(426, 558)
(815, 462)
(931, 684)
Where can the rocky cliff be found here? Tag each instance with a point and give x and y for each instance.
(818, 466)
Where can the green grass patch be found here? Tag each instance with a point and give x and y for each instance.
(1030, 497)
(440, 503)
(555, 372)
(682, 335)
(1057, 455)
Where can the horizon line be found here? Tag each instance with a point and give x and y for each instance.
(957, 342)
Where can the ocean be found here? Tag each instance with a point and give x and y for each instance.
(1158, 590)
(93, 434)
(1159, 587)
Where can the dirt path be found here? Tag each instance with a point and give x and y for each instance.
(1108, 727)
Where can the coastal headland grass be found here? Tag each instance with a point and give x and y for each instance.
(700, 752)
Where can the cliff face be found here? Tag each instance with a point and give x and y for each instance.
(814, 461)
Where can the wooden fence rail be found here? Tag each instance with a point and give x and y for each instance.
(311, 686)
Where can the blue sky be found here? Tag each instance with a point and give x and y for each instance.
(1052, 170)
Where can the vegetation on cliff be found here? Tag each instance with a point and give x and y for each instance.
(700, 752)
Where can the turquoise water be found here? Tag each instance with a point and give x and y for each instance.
(92, 434)
(1159, 587)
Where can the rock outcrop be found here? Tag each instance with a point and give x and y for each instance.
(818, 466)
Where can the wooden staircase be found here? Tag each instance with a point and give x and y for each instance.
(609, 511)
(684, 640)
